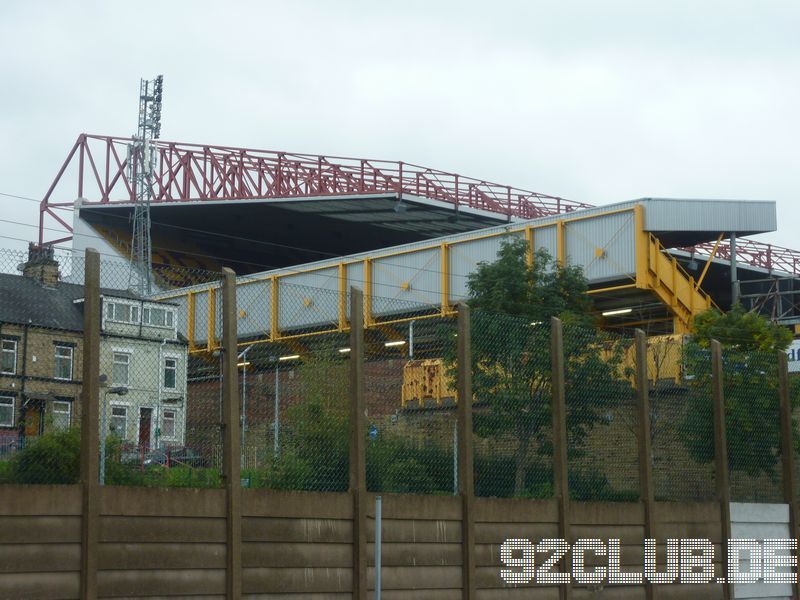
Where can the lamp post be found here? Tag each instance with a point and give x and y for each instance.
(119, 390)
(243, 358)
(276, 441)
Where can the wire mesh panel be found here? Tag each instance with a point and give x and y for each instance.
(752, 422)
(294, 387)
(682, 428)
(41, 362)
(602, 419)
(411, 403)
(512, 423)
(295, 419)
(160, 399)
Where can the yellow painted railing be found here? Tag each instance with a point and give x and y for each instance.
(673, 285)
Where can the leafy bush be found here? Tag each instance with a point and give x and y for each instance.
(53, 457)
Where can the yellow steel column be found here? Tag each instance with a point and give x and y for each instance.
(642, 246)
(190, 318)
(273, 317)
(367, 292)
(529, 241)
(561, 248)
(212, 318)
(342, 297)
(444, 251)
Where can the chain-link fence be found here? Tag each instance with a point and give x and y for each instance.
(160, 405)
(146, 432)
(512, 422)
(41, 362)
(682, 424)
(602, 417)
(295, 393)
(409, 377)
(753, 425)
(160, 402)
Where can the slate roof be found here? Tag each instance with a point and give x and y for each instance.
(23, 300)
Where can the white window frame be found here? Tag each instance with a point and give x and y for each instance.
(124, 406)
(176, 359)
(129, 355)
(174, 412)
(8, 400)
(3, 342)
(169, 317)
(68, 412)
(111, 303)
(71, 361)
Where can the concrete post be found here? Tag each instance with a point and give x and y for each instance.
(231, 449)
(90, 425)
(358, 468)
(560, 465)
(647, 490)
(466, 476)
(721, 454)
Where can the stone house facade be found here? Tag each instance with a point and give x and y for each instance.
(41, 359)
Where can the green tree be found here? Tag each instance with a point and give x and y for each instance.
(318, 435)
(750, 344)
(513, 300)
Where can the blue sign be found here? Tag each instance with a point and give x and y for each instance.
(373, 432)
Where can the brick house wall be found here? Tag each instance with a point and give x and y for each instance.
(33, 385)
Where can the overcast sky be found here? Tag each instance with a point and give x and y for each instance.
(593, 101)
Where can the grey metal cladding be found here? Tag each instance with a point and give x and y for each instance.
(254, 301)
(201, 312)
(746, 217)
(465, 257)
(546, 238)
(604, 246)
(419, 270)
(302, 304)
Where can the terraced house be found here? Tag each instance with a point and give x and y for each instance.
(41, 338)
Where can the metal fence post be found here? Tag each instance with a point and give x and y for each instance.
(466, 475)
(560, 465)
(358, 470)
(721, 455)
(646, 488)
(231, 449)
(90, 425)
(787, 452)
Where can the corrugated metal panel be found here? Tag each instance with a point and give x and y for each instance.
(465, 257)
(601, 239)
(603, 246)
(355, 278)
(309, 299)
(663, 214)
(547, 238)
(254, 302)
(201, 317)
(419, 270)
(324, 279)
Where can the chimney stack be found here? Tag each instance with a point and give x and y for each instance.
(41, 265)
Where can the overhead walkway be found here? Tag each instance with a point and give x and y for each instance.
(620, 247)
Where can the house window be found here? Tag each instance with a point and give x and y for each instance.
(158, 317)
(168, 423)
(62, 410)
(63, 362)
(170, 373)
(8, 364)
(122, 313)
(120, 368)
(118, 424)
(6, 411)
